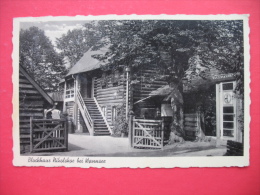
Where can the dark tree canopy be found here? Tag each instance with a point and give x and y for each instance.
(178, 48)
(38, 57)
(76, 42)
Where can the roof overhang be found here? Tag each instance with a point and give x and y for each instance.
(38, 88)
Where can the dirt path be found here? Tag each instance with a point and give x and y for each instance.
(84, 145)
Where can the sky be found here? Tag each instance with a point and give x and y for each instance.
(54, 29)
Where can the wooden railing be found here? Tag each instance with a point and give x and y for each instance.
(102, 114)
(48, 135)
(147, 133)
(85, 114)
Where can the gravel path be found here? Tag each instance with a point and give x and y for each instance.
(85, 145)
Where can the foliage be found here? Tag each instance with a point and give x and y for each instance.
(76, 42)
(38, 57)
(177, 48)
(120, 124)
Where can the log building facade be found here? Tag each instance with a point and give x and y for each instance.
(32, 102)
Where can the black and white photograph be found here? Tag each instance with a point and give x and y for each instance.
(131, 91)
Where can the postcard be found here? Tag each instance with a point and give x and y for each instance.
(134, 91)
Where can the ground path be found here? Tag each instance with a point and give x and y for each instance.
(85, 145)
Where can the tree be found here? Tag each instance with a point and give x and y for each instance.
(178, 48)
(38, 57)
(76, 42)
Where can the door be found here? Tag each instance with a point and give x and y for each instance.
(227, 110)
(86, 86)
(89, 88)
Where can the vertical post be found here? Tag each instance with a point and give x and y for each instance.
(130, 126)
(162, 132)
(64, 97)
(133, 130)
(162, 138)
(31, 134)
(93, 85)
(218, 114)
(76, 107)
(127, 92)
(66, 132)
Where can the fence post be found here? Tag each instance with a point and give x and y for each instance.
(31, 135)
(162, 134)
(66, 133)
(130, 133)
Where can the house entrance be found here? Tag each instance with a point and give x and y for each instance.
(86, 87)
(226, 110)
(89, 88)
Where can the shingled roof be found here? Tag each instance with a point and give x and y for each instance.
(88, 62)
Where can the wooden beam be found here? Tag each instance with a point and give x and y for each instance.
(32, 81)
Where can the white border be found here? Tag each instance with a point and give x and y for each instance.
(134, 162)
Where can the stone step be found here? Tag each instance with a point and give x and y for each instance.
(93, 109)
(100, 128)
(100, 125)
(101, 134)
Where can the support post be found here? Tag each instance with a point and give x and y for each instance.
(218, 131)
(66, 133)
(127, 92)
(130, 126)
(64, 97)
(162, 132)
(31, 135)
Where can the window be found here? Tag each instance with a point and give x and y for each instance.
(104, 81)
(115, 79)
(114, 113)
(227, 86)
(104, 111)
(69, 89)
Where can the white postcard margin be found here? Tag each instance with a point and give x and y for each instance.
(130, 162)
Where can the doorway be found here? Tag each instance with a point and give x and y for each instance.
(226, 110)
(86, 86)
(89, 87)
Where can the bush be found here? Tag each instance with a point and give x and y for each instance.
(120, 123)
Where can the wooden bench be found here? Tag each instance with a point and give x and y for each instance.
(234, 148)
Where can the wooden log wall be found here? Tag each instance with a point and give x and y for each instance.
(142, 89)
(31, 104)
(110, 96)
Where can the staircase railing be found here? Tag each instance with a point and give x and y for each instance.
(102, 114)
(85, 114)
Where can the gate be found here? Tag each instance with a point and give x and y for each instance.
(147, 134)
(48, 135)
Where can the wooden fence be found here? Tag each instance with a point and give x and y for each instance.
(147, 134)
(48, 135)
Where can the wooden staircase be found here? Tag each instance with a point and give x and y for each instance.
(100, 127)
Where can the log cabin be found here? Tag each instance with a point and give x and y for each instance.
(32, 102)
(93, 96)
